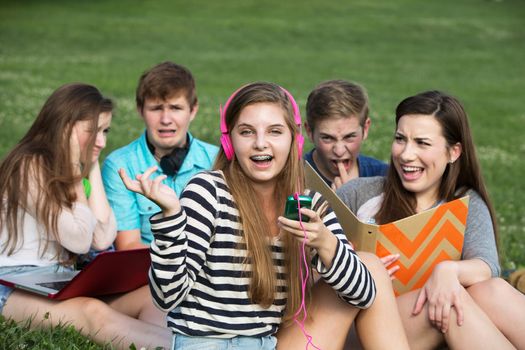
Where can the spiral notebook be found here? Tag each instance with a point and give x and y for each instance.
(109, 273)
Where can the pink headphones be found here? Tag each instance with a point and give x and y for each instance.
(225, 137)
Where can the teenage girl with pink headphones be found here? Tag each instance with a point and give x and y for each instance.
(228, 267)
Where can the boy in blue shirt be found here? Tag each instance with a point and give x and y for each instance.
(167, 102)
(337, 123)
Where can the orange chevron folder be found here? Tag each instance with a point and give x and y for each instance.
(422, 240)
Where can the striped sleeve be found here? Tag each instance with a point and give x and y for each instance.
(347, 275)
(178, 251)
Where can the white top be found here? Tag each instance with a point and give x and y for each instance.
(78, 231)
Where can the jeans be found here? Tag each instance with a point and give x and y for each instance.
(181, 341)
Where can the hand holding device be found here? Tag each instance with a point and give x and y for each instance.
(291, 210)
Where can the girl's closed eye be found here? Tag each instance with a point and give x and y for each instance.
(399, 138)
(245, 132)
(423, 142)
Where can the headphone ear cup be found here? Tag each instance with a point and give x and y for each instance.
(167, 165)
(227, 146)
(300, 145)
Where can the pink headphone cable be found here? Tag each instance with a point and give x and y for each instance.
(304, 281)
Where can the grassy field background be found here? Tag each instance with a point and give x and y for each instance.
(473, 49)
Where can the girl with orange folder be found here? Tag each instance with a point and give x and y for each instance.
(433, 161)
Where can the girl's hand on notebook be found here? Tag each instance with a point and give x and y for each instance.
(389, 260)
(159, 193)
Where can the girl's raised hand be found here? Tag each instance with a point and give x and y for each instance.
(162, 195)
(74, 150)
(344, 176)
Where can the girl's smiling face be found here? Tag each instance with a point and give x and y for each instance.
(420, 155)
(261, 140)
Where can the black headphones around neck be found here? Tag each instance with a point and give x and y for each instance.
(171, 163)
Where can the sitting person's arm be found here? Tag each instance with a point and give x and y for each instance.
(75, 226)
(333, 256)
(181, 236)
(129, 239)
(479, 260)
(125, 207)
(105, 231)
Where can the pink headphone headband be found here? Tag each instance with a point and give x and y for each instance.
(225, 136)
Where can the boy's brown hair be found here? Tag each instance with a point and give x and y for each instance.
(339, 99)
(164, 81)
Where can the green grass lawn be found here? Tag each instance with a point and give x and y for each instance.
(473, 49)
(13, 336)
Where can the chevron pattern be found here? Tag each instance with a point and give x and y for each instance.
(423, 243)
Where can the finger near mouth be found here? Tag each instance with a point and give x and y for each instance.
(344, 162)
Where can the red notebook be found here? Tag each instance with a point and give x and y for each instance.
(109, 273)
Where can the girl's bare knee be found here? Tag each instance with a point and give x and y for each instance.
(95, 313)
(489, 288)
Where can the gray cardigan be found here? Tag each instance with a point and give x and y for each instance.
(479, 233)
